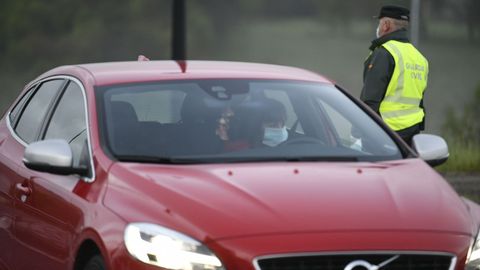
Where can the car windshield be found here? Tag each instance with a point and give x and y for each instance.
(227, 120)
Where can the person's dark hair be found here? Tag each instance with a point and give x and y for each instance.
(246, 124)
(274, 111)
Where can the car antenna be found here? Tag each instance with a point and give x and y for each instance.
(142, 58)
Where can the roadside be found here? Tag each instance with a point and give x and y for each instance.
(466, 184)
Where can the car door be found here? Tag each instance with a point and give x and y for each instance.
(14, 136)
(6, 200)
(45, 217)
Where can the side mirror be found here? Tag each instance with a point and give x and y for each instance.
(52, 156)
(431, 148)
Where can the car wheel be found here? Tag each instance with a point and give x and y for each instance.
(95, 263)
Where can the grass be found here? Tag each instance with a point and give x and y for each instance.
(464, 157)
(462, 169)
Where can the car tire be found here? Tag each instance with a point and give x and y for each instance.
(95, 263)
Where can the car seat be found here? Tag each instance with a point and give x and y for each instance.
(199, 120)
(123, 128)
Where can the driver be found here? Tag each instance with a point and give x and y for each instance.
(273, 123)
(259, 123)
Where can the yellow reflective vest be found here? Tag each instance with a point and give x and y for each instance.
(400, 107)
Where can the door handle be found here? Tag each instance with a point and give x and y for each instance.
(23, 188)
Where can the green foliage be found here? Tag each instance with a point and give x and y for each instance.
(462, 133)
(464, 157)
(466, 126)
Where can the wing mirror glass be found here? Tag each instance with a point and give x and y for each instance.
(52, 156)
(431, 148)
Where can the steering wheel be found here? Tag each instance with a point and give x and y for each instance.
(303, 140)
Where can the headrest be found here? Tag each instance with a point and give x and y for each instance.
(263, 110)
(251, 115)
(199, 108)
(123, 111)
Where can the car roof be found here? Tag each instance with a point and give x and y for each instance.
(141, 71)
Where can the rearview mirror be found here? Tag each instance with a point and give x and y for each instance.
(52, 156)
(431, 148)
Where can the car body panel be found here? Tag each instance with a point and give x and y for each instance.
(8, 170)
(129, 72)
(232, 200)
(42, 223)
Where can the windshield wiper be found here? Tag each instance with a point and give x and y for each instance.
(320, 158)
(240, 159)
(155, 159)
(226, 159)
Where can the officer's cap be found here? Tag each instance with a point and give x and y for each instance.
(395, 12)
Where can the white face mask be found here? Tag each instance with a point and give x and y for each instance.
(275, 136)
(378, 31)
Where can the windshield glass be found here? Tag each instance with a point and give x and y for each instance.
(202, 121)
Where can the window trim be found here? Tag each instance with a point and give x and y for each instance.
(403, 149)
(68, 79)
(51, 110)
(31, 93)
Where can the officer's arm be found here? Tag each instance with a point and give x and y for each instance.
(377, 77)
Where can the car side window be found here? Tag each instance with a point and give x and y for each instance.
(18, 107)
(35, 111)
(68, 123)
(344, 129)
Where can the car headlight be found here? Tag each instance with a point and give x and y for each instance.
(159, 246)
(473, 257)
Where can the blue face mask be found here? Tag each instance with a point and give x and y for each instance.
(275, 136)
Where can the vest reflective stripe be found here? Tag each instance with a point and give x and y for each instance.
(393, 114)
(404, 100)
(401, 70)
(400, 107)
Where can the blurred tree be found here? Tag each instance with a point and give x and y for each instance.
(35, 35)
(465, 11)
(336, 14)
(44, 33)
(289, 8)
(472, 18)
(224, 15)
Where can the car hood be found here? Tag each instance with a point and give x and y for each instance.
(234, 200)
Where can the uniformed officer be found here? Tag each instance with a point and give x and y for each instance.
(395, 75)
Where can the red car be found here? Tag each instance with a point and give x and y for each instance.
(218, 165)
